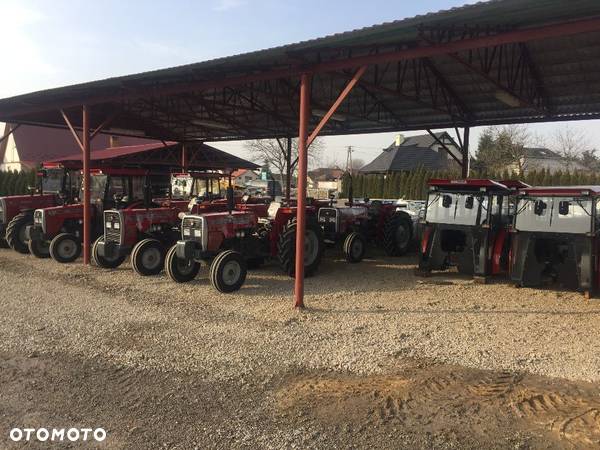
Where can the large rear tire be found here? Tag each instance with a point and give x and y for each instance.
(354, 247)
(313, 247)
(397, 234)
(228, 271)
(3, 243)
(103, 261)
(65, 248)
(148, 257)
(39, 249)
(179, 270)
(15, 232)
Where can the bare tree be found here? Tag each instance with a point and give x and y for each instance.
(274, 152)
(357, 164)
(570, 144)
(504, 147)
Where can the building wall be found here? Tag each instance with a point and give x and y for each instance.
(551, 164)
(11, 159)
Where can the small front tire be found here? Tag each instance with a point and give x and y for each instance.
(228, 271)
(148, 257)
(103, 261)
(179, 270)
(65, 248)
(354, 247)
(39, 249)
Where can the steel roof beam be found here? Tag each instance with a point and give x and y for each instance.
(510, 37)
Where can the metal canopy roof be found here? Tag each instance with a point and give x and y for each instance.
(168, 155)
(503, 61)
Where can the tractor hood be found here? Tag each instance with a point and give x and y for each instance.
(14, 204)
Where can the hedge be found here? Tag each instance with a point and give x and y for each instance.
(15, 183)
(413, 185)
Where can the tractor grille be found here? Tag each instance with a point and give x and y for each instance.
(112, 227)
(328, 219)
(192, 228)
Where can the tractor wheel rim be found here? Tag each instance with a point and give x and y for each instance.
(401, 235)
(67, 249)
(311, 247)
(231, 272)
(151, 258)
(185, 267)
(357, 248)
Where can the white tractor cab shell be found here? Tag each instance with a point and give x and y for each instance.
(466, 225)
(555, 238)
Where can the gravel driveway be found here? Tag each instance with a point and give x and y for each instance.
(157, 363)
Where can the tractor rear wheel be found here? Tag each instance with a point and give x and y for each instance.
(39, 249)
(3, 243)
(397, 234)
(15, 232)
(148, 257)
(180, 270)
(354, 247)
(65, 248)
(103, 261)
(313, 247)
(228, 271)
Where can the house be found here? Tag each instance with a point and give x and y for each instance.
(28, 146)
(242, 177)
(413, 152)
(539, 158)
(328, 178)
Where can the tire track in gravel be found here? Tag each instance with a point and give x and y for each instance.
(441, 399)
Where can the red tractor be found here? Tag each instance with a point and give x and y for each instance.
(145, 233)
(231, 242)
(57, 231)
(56, 185)
(555, 238)
(466, 225)
(356, 224)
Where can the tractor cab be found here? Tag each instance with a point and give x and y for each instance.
(555, 238)
(56, 185)
(466, 225)
(57, 231)
(200, 185)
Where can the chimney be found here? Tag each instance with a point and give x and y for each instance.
(399, 140)
(114, 141)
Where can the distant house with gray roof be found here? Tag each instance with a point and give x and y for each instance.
(540, 158)
(414, 152)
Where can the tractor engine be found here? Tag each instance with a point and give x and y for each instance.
(337, 222)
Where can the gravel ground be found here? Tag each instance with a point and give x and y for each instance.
(237, 352)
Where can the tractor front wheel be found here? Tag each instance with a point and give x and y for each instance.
(354, 247)
(15, 232)
(228, 271)
(65, 248)
(313, 248)
(38, 248)
(180, 270)
(397, 234)
(148, 257)
(103, 261)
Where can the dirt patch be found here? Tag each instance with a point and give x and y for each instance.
(439, 399)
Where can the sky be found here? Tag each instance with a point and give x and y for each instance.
(61, 42)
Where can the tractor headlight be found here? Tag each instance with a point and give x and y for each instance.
(187, 232)
(108, 224)
(117, 225)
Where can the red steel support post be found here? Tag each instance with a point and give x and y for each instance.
(465, 153)
(87, 209)
(302, 169)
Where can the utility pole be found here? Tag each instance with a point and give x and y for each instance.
(349, 160)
